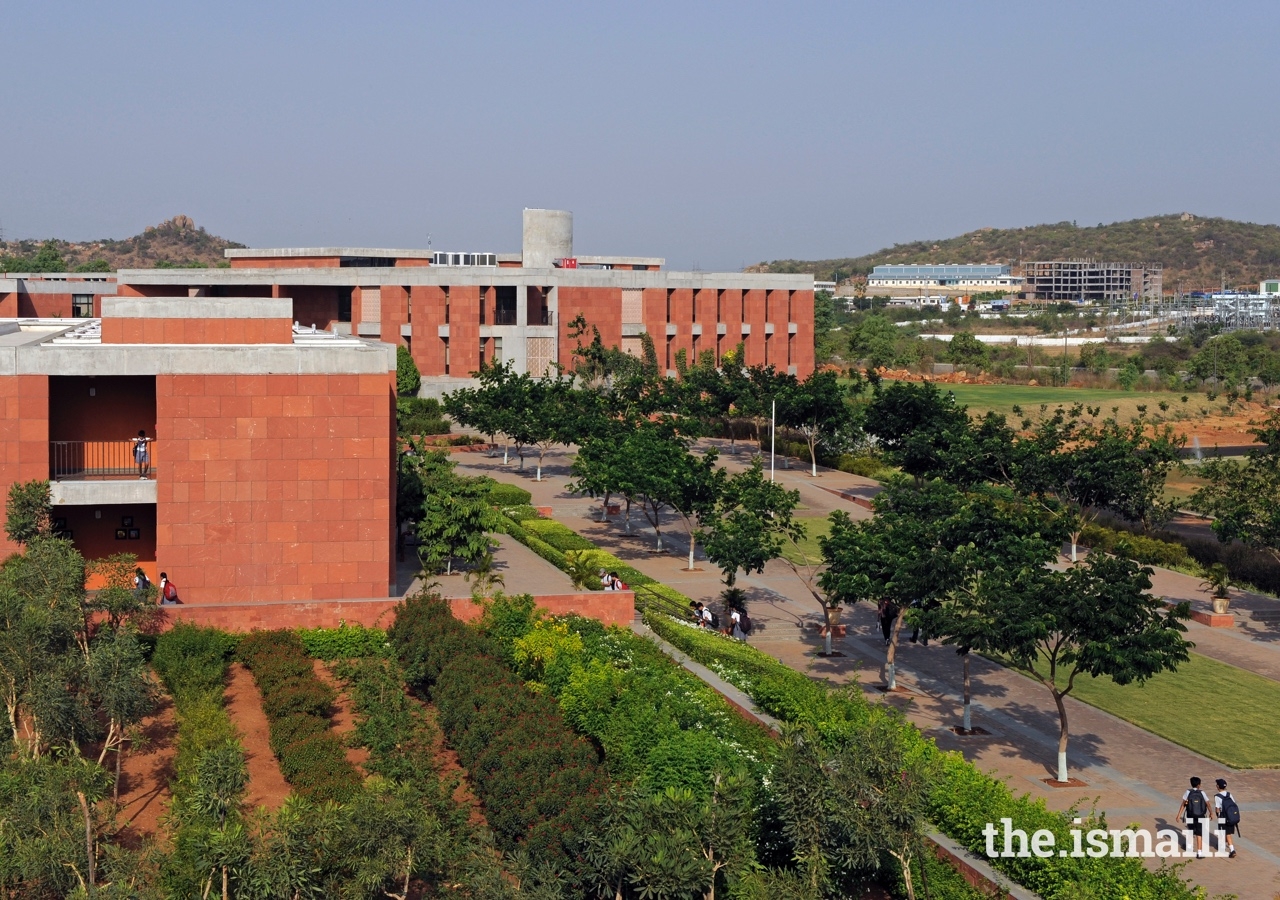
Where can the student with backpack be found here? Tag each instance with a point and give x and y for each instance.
(1228, 816)
(168, 591)
(1196, 806)
(141, 584)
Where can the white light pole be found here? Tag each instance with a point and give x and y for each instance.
(773, 426)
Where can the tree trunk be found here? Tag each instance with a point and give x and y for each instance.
(604, 508)
(115, 790)
(626, 522)
(826, 617)
(538, 477)
(905, 862)
(225, 893)
(1060, 700)
(813, 457)
(968, 720)
(1075, 537)
(506, 452)
(88, 843)
(890, 679)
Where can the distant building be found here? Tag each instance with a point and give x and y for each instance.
(828, 286)
(54, 294)
(951, 280)
(1269, 287)
(1091, 281)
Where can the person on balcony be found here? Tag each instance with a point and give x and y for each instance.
(142, 453)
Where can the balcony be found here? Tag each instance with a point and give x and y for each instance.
(97, 460)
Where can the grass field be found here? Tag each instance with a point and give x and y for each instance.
(1217, 710)
(815, 528)
(1001, 398)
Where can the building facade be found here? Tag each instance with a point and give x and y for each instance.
(1091, 281)
(947, 280)
(269, 470)
(456, 311)
(62, 294)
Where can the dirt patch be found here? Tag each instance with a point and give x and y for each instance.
(267, 786)
(452, 771)
(145, 775)
(343, 721)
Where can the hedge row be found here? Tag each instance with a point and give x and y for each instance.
(297, 704)
(541, 785)
(344, 642)
(1137, 547)
(551, 540)
(656, 723)
(965, 799)
(192, 663)
(503, 494)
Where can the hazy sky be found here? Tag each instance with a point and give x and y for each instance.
(714, 134)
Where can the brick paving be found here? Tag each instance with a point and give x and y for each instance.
(1132, 775)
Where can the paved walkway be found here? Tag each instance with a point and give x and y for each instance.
(1131, 774)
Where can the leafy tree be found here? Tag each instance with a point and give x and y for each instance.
(922, 430)
(408, 379)
(1222, 358)
(1094, 619)
(666, 475)
(600, 467)
(818, 408)
(488, 408)
(28, 511)
(123, 689)
(1087, 467)
(875, 340)
(457, 515)
(552, 413)
(966, 350)
(751, 521)
(1244, 498)
(48, 259)
(94, 265)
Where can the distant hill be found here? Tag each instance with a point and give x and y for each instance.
(1195, 251)
(177, 242)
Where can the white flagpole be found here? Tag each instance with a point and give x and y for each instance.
(773, 427)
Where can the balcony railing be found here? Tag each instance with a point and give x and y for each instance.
(72, 460)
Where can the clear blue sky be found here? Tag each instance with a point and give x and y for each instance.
(714, 134)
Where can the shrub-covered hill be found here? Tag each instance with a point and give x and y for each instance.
(1195, 251)
(177, 242)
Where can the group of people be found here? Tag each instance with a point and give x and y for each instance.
(1196, 810)
(739, 622)
(612, 582)
(168, 590)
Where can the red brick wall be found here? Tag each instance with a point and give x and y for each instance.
(464, 330)
(611, 608)
(427, 316)
(196, 331)
(312, 305)
(601, 307)
(395, 312)
(755, 303)
(412, 263)
(9, 305)
(802, 315)
(24, 435)
(276, 487)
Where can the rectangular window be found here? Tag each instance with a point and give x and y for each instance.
(82, 306)
(446, 355)
(344, 304)
(446, 307)
(719, 298)
(497, 351)
(482, 343)
(669, 292)
(669, 339)
(482, 322)
(504, 312)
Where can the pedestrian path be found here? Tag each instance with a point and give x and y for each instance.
(1131, 774)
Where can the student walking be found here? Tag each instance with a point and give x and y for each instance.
(735, 625)
(141, 584)
(1228, 812)
(1196, 806)
(886, 613)
(168, 591)
(142, 453)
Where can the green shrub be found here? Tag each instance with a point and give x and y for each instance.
(408, 379)
(557, 535)
(964, 799)
(192, 661)
(312, 760)
(541, 785)
(1139, 548)
(344, 642)
(503, 494)
(521, 513)
(866, 466)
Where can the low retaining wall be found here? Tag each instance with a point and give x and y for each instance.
(609, 607)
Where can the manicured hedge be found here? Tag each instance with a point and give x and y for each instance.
(503, 494)
(656, 723)
(344, 642)
(297, 704)
(192, 663)
(1137, 547)
(965, 798)
(541, 785)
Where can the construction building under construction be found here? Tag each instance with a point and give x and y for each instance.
(1087, 280)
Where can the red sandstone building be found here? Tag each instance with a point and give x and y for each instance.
(267, 389)
(271, 459)
(458, 310)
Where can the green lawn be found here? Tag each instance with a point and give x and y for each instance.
(815, 528)
(1001, 398)
(1217, 710)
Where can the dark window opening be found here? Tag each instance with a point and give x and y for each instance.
(446, 307)
(366, 262)
(504, 312)
(82, 306)
(483, 316)
(344, 304)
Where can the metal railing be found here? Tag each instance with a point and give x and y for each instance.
(70, 460)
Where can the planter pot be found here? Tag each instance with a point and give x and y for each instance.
(1220, 605)
(833, 614)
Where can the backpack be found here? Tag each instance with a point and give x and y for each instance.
(144, 583)
(1230, 811)
(744, 623)
(715, 620)
(170, 592)
(1197, 804)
